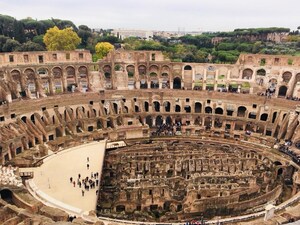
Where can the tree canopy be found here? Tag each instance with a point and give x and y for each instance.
(56, 39)
(102, 49)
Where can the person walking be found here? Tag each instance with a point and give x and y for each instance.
(82, 192)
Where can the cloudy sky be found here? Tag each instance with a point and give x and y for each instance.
(171, 15)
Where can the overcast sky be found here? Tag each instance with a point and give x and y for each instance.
(171, 15)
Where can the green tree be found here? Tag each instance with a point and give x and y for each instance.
(3, 40)
(56, 39)
(102, 49)
(10, 45)
(30, 46)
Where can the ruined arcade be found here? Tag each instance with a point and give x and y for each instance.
(219, 140)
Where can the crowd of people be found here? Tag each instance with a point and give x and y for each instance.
(285, 148)
(86, 183)
(167, 129)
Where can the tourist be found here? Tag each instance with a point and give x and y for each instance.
(87, 166)
(71, 179)
(82, 192)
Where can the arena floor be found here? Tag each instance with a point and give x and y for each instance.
(52, 179)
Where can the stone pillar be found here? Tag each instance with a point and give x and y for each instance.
(269, 214)
(291, 86)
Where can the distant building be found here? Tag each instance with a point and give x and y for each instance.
(122, 34)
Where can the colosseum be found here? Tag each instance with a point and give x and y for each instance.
(184, 142)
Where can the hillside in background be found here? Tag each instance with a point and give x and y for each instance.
(218, 47)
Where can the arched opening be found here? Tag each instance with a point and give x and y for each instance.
(159, 121)
(247, 74)
(32, 118)
(154, 84)
(207, 123)
(219, 111)
(167, 106)
(208, 109)
(187, 109)
(241, 111)
(136, 108)
(107, 76)
(264, 117)
(58, 132)
(261, 72)
(116, 108)
(274, 117)
(7, 196)
(125, 109)
(272, 85)
(146, 106)
(198, 121)
(177, 83)
(169, 120)
(144, 84)
(120, 208)
(282, 91)
(279, 172)
(198, 107)
(187, 67)
(110, 123)
(286, 76)
(58, 82)
(142, 70)
(24, 118)
(177, 108)
(130, 71)
(156, 106)
(99, 124)
(149, 121)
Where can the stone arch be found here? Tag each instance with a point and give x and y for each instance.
(30, 81)
(142, 70)
(130, 70)
(296, 86)
(282, 91)
(177, 108)
(272, 85)
(198, 107)
(71, 78)
(169, 120)
(156, 105)
(187, 67)
(219, 111)
(149, 121)
(247, 74)
(57, 80)
(286, 76)
(116, 108)
(153, 69)
(83, 78)
(42, 71)
(144, 84)
(136, 108)
(187, 109)
(208, 109)
(264, 117)
(198, 121)
(177, 83)
(146, 106)
(261, 72)
(159, 120)
(167, 106)
(107, 71)
(241, 112)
